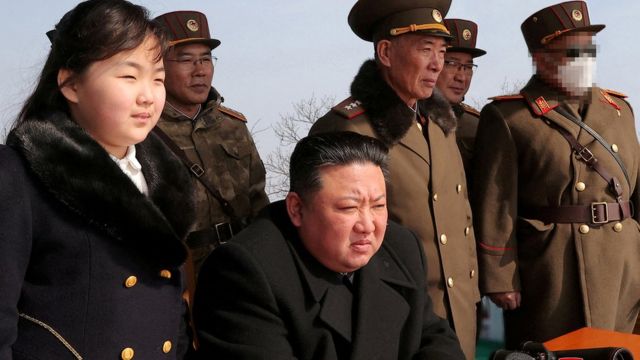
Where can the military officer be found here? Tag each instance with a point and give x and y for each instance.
(556, 180)
(454, 82)
(214, 138)
(393, 98)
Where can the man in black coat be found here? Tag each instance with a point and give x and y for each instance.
(320, 275)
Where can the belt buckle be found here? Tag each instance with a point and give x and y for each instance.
(223, 230)
(585, 154)
(594, 217)
(197, 170)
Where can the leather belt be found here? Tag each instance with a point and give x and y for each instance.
(596, 213)
(218, 234)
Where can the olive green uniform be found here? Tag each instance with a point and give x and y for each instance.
(570, 275)
(218, 140)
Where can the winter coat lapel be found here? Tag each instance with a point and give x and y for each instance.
(381, 309)
(79, 173)
(392, 120)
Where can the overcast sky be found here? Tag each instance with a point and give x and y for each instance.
(274, 53)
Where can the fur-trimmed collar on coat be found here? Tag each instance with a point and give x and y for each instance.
(79, 173)
(390, 117)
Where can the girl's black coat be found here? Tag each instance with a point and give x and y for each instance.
(73, 229)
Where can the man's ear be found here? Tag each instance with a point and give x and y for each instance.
(67, 85)
(382, 50)
(294, 208)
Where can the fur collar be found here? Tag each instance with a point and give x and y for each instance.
(389, 116)
(79, 173)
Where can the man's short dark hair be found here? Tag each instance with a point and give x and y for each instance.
(333, 148)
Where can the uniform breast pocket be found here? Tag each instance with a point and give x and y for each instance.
(235, 151)
(533, 236)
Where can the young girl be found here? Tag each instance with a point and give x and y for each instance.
(93, 208)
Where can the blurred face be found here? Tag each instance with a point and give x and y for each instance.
(568, 62)
(189, 74)
(118, 100)
(455, 78)
(342, 225)
(411, 64)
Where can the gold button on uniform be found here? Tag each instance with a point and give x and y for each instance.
(584, 229)
(467, 230)
(435, 197)
(166, 347)
(127, 354)
(580, 186)
(614, 147)
(459, 188)
(443, 239)
(165, 274)
(617, 227)
(450, 282)
(131, 281)
(472, 273)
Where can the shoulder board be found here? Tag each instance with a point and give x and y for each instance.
(234, 114)
(470, 109)
(507, 97)
(349, 108)
(615, 93)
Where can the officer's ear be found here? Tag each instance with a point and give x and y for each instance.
(294, 205)
(383, 52)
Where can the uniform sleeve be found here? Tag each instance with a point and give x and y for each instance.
(15, 245)
(494, 203)
(235, 311)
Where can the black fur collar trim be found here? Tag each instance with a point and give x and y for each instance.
(80, 174)
(389, 116)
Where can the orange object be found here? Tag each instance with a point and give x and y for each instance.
(586, 338)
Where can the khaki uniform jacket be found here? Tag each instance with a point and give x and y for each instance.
(568, 278)
(426, 190)
(218, 140)
(468, 119)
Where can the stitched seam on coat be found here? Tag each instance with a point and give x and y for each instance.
(54, 333)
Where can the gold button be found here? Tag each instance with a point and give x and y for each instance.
(450, 282)
(472, 274)
(580, 186)
(459, 188)
(127, 354)
(131, 282)
(584, 229)
(166, 347)
(467, 230)
(435, 197)
(165, 274)
(443, 239)
(614, 147)
(617, 227)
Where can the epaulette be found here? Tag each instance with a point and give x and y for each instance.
(615, 93)
(470, 109)
(507, 97)
(234, 114)
(349, 108)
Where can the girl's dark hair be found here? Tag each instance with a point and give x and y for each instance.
(94, 30)
(332, 148)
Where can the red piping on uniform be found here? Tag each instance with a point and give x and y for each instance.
(495, 248)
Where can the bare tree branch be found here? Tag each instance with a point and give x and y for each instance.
(289, 130)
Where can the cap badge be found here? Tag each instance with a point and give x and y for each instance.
(192, 25)
(535, 19)
(436, 15)
(466, 34)
(576, 15)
